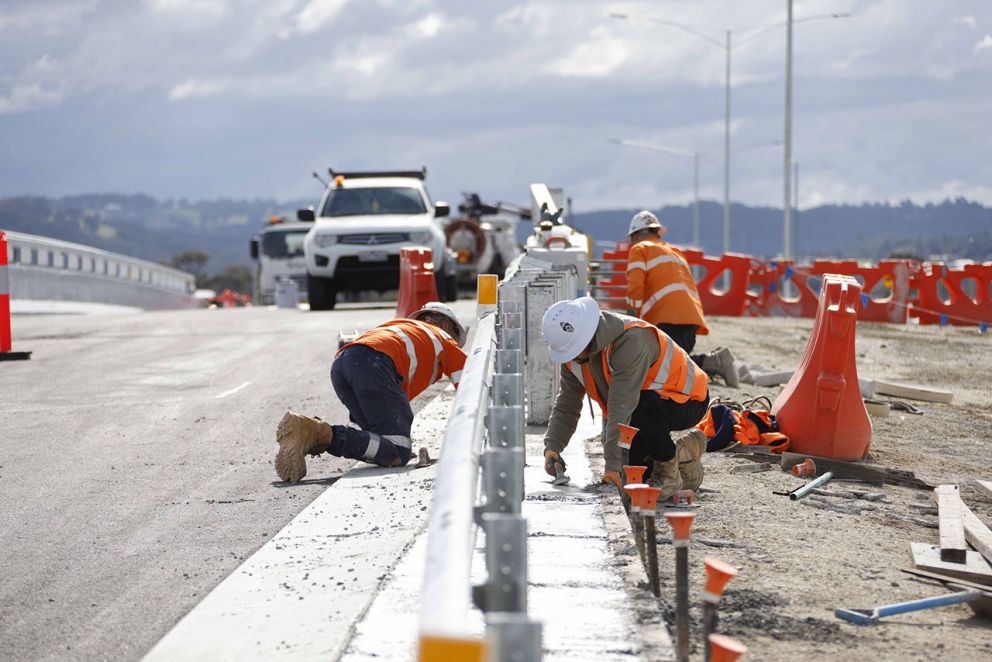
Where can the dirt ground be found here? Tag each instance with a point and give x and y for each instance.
(799, 561)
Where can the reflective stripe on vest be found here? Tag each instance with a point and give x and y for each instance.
(655, 261)
(411, 351)
(663, 377)
(664, 292)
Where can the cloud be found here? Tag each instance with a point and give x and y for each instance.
(318, 14)
(968, 21)
(984, 43)
(27, 97)
(192, 89)
(208, 7)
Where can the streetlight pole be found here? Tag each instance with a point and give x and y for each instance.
(786, 197)
(727, 45)
(726, 154)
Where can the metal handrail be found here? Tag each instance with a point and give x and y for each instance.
(446, 596)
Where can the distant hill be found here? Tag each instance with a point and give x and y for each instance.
(158, 230)
(868, 231)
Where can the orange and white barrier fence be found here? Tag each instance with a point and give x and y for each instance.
(893, 291)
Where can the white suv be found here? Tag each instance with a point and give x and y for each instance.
(364, 219)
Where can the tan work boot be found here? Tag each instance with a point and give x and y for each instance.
(666, 476)
(298, 435)
(720, 363)
(690, 448)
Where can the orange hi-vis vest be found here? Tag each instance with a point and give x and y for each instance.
(660, 287)
(673, 376)
(421, 352)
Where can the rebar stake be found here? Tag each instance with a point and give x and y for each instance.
(648, 506)
(718, 574)
(681, 524)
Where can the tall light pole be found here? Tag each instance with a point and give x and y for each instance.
(728, 46)
(695, 172)
(786, 197)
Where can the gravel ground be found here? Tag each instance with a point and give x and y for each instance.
(799, 560)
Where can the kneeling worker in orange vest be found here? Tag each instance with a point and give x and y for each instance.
(375, 377)
(661, 290)
(638, 376)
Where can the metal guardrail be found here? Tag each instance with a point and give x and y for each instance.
(40, 267)
(507, 370)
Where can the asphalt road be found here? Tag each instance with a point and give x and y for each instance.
(136, 465)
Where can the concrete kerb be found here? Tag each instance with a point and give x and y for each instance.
(302, 594)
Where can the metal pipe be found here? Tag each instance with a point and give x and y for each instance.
(799, 493)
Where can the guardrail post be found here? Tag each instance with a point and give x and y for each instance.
(506, 426)
(513, 638)
(509, 360)
(503, 492)
(506, 562)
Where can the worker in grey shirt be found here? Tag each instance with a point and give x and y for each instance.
(639, 377)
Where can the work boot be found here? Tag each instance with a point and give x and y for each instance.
(720, 363)
(691, 447)
(666, 476)
(298, 435)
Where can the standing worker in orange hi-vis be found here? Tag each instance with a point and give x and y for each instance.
(639, 377)
(662, 291)
(375, 377)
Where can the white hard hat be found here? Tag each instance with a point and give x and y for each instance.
(568, 326)
(442, 309)
(644, 220)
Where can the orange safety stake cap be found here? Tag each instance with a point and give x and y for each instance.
(725, 649)
(805, 469)
(636, 492)
(718, 575)
(634, 474)
(627, 434)
(681, 523)
(683, 495)
(650, 499)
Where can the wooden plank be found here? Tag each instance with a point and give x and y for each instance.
(869, 473)
(944, 578)
(976, 532)
(974, 569)
(984, 487)
(952, 543)
(913, 392)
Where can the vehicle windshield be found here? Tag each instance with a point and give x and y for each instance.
(287, 243)
(377, 200)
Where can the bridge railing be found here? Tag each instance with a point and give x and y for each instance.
(44, 268)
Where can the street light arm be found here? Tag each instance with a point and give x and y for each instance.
(653, 147)
(691, 29)
(771, 27)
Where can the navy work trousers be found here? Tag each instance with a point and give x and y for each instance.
(367, 384)
(655, 418)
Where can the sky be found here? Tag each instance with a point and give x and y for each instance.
(245, 98)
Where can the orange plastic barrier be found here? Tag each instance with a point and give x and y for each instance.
(417, 284)
(821, 409)
(730, 300)
(4, 298)
(884, 287)
(5, 335)
(779, 289)
(616, 283)
(964, 301)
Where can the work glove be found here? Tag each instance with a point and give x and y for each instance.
(551, 458)
(612, 477)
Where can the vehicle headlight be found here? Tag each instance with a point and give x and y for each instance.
(324, 240)
(421, 238)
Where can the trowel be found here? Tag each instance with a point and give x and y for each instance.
(561, 478)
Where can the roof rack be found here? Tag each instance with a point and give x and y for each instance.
(418, 174)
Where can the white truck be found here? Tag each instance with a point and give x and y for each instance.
(363, 221)
(278, 253)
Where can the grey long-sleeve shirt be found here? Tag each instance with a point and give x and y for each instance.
(634, 352)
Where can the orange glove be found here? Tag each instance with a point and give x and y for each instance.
(612, 477)
(551, 458)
